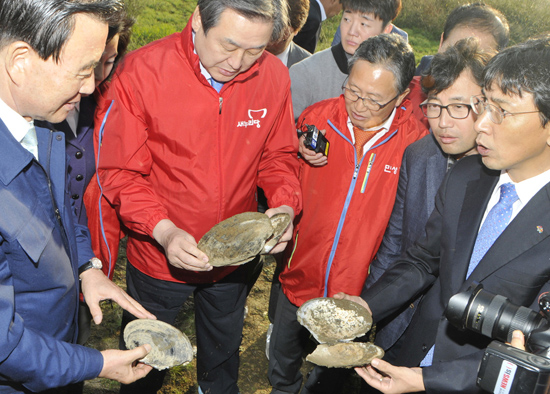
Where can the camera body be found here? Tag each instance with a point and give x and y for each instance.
(505, 369)
(314, 140)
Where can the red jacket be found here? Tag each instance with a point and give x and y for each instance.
(173, 148)
(346, 207)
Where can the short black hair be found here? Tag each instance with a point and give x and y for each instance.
(385, 10)
(298, 11)
(393, 53)
(46, 25)
(481, 17)
(447, 66)
(523, 68)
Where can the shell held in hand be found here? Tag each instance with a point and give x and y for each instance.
(331, 320)
(345, 354)
(242, 237)
(170, 347)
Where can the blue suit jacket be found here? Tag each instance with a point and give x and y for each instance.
(39, 260)
(422, 171)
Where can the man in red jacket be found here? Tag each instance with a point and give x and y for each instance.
(198, 120)
(348, 201)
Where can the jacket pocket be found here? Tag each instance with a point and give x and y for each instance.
(35, 233)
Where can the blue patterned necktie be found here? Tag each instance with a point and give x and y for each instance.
(495, 223)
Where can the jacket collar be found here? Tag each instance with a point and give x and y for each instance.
(14, 156)
(194, 62)
(340, 57)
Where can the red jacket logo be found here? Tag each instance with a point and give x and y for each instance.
(255, 115)
(390, 169)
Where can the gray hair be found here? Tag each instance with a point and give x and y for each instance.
(46, 25)
(272, 11)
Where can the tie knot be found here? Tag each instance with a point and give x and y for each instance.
(508, 194)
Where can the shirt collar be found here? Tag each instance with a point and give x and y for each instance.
(283, 56)
(16, 124)
(205, 73)
(525, 189)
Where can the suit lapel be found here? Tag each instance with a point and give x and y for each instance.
(478, 193)
(435, 171)
(529, 227)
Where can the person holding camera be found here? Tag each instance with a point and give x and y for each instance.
(348, 201)
(490, 225)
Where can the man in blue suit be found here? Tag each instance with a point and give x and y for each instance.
(490, 225)
(454, 76)
(48, 50)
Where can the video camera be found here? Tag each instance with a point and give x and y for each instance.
(314, 140)
(505, 369)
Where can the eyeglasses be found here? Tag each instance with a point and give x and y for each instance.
(496, 114)
(367, 102)
(455, 110)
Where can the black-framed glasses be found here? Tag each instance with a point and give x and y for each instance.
(367, 102)
(455, 110)
(496, 114)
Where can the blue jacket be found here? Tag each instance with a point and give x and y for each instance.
(40, 252)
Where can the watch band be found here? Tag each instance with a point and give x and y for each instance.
(93, 263)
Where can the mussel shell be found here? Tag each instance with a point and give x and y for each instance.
(280, 222)
(331, 320)
(170, 347)
(345, 354)
(237, 239)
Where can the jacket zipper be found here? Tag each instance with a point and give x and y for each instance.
(346, 203)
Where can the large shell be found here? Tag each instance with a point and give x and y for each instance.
(280, 222)
(345, 354)
(170, 347)
(331, 320)
(236, 240)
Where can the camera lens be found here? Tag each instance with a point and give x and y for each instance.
(491, 315)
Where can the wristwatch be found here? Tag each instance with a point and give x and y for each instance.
(93, 263)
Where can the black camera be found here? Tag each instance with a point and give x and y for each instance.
(505, 369)
(315, 140)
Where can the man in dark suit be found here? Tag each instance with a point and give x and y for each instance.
(465, 242)
(454, 76)
(319, 10)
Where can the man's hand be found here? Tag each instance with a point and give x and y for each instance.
(315, 159)
(97, 287)
(123, 365)
(390, 379)
(180, 247)
(359, 300)
(287, 235)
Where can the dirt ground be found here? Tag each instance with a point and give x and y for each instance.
(253, 368)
